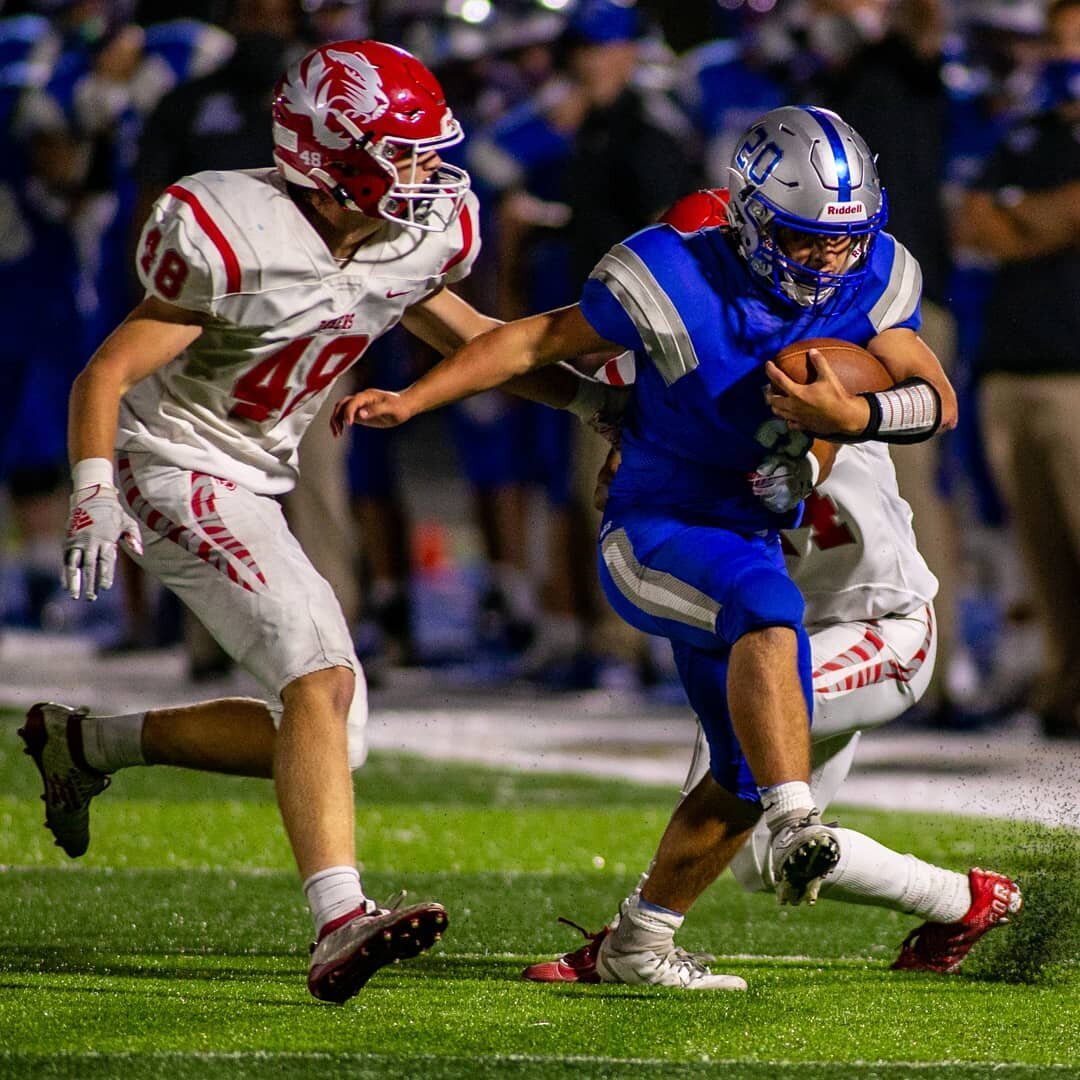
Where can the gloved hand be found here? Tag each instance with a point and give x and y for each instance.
(601, 407)
(608, 418)
(782, 482)
(96, 523)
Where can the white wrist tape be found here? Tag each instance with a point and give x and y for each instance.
(909, 412)
(93, 470)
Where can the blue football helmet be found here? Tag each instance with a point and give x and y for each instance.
(803, 168)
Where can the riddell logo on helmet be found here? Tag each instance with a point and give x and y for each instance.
(844, 210)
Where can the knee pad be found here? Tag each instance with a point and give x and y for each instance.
(762, 597)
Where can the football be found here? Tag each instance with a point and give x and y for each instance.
(859, 371)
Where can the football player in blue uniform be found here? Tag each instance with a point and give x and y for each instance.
(687, 551)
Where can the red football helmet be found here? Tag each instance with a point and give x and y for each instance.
(348, 113)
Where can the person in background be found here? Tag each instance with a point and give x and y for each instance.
(592, 156)
(1024, 211)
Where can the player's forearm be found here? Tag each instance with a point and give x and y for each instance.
(906, 356)
(507, 352)
(482, 364)
(93, 408)
(556, 385)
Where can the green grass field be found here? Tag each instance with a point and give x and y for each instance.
(177, 946)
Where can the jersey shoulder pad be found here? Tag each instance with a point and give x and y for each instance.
(653, 258)
(894, 286)
(463, 241)
(195, 248)
(658, 284)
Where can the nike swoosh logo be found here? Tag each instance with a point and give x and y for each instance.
(390, 294)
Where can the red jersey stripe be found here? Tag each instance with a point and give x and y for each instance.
(612, 373)
(466, 240)
(208, 226)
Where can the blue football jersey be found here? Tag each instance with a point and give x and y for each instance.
(701, 330)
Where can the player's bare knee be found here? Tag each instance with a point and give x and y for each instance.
(335, 686)
(760, 646)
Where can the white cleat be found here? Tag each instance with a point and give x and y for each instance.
(641, 951)
(804, 853)
(664, 965)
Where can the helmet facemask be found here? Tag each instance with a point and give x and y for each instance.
(758, 223)
(410, 196)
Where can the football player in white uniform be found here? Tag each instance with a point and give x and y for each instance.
(870, 617)
(262, 287)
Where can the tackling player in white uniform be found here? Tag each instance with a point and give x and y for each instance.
(870, 618)
(262, 287)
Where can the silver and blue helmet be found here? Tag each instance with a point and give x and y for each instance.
(804, 168)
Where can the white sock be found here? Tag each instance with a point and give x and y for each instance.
(782, 800)
(870, 873)
(640, 927)
(113, 742)
(333, 892)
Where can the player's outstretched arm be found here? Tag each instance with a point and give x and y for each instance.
(487, 361)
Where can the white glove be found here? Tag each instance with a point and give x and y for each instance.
(782, 482)
(601, 407)
(96, 523)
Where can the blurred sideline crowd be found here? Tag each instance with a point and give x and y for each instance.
(584, 120)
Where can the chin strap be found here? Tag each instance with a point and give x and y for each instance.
(908, 412)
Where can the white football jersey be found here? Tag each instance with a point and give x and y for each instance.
(854, 556)
(286, 319)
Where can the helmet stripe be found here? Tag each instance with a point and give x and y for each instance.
(836, 144)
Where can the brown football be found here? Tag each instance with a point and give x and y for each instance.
(859, 371)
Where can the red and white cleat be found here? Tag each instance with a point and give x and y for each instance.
(352, 948)
(53, 737)
(941, 947)
(577, 966)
